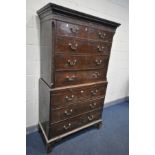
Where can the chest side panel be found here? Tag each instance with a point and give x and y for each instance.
(46, 54)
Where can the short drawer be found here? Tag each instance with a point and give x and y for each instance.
(80, 62)
(65, 97)
(75, 109)
(65, 78)
(69, 29)
(73, 123)
(100, 34)
(69, 45)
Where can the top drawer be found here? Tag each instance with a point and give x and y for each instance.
(68, 29)
(74, 30)
(102, 35)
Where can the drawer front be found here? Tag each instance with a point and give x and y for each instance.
(75, 109)
(98, 34)
(73, 123)
(74, 30)
(80, 62)
(80, 46)
(63, 98)
(79, 77)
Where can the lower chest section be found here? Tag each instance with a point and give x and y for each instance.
(71, 108)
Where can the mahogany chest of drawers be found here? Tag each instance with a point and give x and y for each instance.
(74, 55)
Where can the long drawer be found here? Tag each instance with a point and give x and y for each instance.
(75, 30)
(78, 77)
(80, 62)
(81, 46)
(75, 109)
(73, 123)
(65, 97)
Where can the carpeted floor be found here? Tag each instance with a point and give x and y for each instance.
(112, 139)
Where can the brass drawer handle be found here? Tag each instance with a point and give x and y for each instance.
(100, 48)
(67, 126)
(90, 118)
(86, 29)
(68, 112)
(98, 62)
(96, 75)
(94, 92)
(102, 35)
(73, 47)
(81, 91)
(70, 79)
(72, 63)
(92, 105)
(74, 29)
(69, 98)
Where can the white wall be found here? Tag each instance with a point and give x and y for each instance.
(115, 10)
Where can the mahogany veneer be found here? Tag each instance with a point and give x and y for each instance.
(75, 52)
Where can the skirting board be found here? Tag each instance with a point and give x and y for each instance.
(108, 104)
(34, 128)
